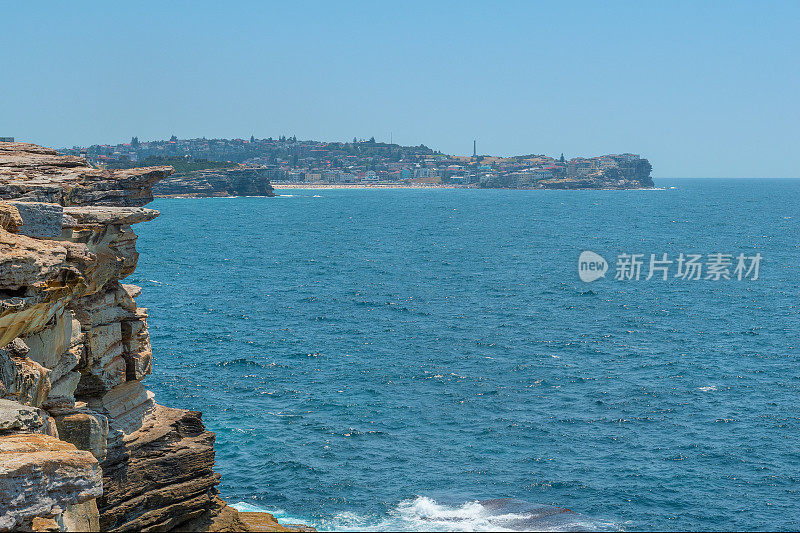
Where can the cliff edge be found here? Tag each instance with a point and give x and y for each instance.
(242, 181)
(83, 444)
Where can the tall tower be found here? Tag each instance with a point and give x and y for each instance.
(474, 148)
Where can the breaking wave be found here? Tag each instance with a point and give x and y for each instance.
(426, 514)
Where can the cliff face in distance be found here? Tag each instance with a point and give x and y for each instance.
(83, 444)
(243, 181)
(627, 174)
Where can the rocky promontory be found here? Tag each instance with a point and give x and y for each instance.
(623, 173)
(83, 444)
(242, 181)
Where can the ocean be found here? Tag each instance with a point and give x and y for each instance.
(414, 359)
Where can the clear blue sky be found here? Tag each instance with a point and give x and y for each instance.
(707, 89)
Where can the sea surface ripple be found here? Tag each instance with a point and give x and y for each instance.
(429, 359)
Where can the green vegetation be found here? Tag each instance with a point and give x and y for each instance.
(180, 164)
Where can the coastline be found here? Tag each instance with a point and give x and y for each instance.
(84, 446)
(322, 186)
(361, 186)
(353, 186)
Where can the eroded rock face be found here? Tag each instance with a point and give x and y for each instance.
(40, 476)
(22, 379)
(36, 174)
(18, 418)
(10, 219)
(83, 445)
(241, 181)
(157, 485)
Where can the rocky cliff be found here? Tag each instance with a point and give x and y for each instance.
(628, 173)
(243, 181)
(83, 444)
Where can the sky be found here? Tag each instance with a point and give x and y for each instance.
(702, 89)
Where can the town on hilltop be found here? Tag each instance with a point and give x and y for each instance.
(367, 162)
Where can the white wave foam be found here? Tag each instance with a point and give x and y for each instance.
(426, 514)
(280, 515)
(248, 508)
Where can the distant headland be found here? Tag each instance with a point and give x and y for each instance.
(214, 167)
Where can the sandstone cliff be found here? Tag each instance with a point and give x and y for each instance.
(626, 174)
(243, 181)
(83, 445)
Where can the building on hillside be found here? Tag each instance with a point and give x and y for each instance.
(579, 167)
(369, 177)
(425, 173)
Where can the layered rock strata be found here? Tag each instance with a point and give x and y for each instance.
(83, 445)
(243, 181)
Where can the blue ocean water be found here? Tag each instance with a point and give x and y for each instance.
(390, 358)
